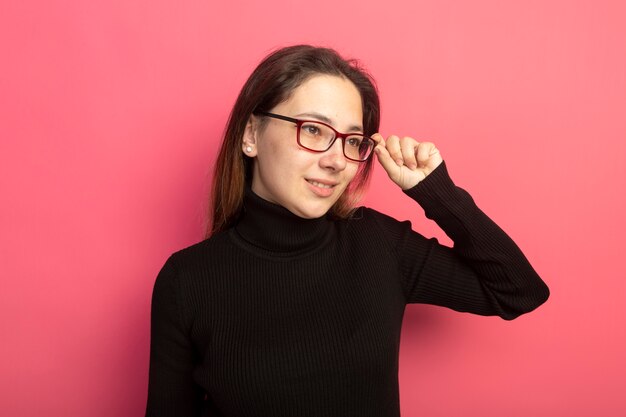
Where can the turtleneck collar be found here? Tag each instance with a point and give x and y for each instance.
(272, 228)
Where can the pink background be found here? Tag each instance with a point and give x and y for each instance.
(111, 115)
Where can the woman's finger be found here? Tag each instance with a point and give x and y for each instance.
(428, 157)
(383, 155)
(425, 151)
(408, 146)
(393, 147)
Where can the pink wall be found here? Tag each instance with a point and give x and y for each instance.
(111, 113)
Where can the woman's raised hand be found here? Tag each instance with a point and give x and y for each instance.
(406, 160)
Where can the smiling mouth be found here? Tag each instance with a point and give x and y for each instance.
(319, 184)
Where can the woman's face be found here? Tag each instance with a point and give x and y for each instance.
(304, 182)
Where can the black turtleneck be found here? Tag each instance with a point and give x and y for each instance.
(275, 231)
(282, 316)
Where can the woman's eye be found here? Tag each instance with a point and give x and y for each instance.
(312, 130)
(354, 141)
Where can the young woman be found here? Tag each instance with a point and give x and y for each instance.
(293, 305)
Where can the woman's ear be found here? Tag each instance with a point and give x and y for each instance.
(250, 134)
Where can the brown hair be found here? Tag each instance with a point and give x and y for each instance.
(271, 83)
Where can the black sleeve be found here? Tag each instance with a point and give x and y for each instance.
(171, 389)
(484, 273)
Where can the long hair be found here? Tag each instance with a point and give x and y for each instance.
(272, 82)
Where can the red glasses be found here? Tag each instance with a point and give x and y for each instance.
(320, 137)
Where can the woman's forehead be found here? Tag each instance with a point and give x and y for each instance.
(330, 99)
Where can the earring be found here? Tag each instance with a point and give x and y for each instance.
(248, 149)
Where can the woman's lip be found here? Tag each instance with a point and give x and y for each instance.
(321, 191)
(325, 182)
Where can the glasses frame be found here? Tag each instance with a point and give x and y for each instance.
(338, 135)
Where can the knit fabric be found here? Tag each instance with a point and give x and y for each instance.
(281, 316)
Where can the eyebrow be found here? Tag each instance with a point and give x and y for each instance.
(327, 120)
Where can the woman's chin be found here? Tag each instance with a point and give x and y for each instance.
(311, 212)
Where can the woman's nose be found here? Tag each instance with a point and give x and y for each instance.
(334, 158)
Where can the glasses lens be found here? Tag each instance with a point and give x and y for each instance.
(318, 137)
(358, 147)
